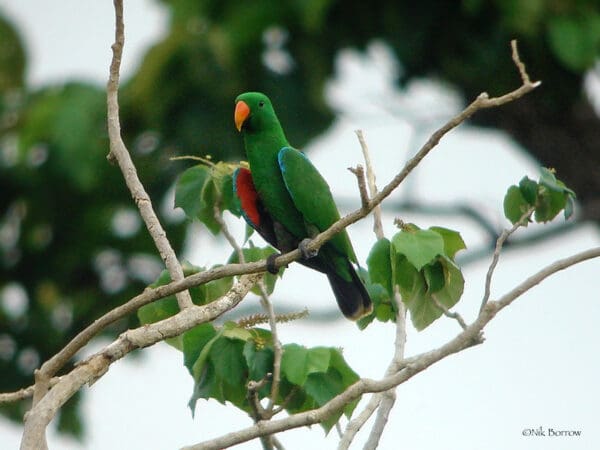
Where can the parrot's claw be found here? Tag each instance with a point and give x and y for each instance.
(306, 252)
(271, 267)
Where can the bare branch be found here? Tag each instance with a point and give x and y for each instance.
(277, 349)
(24, 393)
(377, 225)
(520, 65)
(496, 256)
(452, 315)
(388, 398)
(119, 152)
(359, 172)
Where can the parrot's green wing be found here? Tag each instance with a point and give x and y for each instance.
(312, 197)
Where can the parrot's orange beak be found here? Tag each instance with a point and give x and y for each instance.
(242, 111)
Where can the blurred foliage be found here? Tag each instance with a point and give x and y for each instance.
(71, 244)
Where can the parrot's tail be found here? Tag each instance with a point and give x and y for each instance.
(351, 295)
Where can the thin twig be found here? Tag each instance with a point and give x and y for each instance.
(452, 315)
(257, 411)
(496, 256)
(377, 224)
(277, 349)
(388, 398)
(24, 393)
(218, 216)
(520, 65)
(359, 172)
(379, 400)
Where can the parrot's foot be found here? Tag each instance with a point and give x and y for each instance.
(306, 252)
(271, 268)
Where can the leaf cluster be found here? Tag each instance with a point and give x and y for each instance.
(416, 266)
(547, 197)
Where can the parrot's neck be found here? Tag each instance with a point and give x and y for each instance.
(262, 150)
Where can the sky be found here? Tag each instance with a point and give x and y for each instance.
(539, 365)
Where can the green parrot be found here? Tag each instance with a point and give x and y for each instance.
(287, 201)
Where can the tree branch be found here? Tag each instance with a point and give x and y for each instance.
(496, 256)
(359, 173)
(388, 398)
(377, 225)
(96, 365)
(119, 152)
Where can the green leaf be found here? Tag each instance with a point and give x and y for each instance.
(167, 307)
(408, 279)
(529, 190)
(550, 203)
(548, 179)
(417, 297)
(207, 209)
(434, 276)
(420, 246)
(293, 363)
(454, 284)
(380, 266)
(515, 204)
(569, 207)
(259, 361)
(349, 376)
(233, 331)
(200, 364)
(322, 387)
(384, 312)
(227, 357)
(453, 241)
(380, 296)
(207, 387)
(297, 362)
(194, 341)
(188, 190)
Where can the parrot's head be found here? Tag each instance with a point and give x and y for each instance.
(254, 112)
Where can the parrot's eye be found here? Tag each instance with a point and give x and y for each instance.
(261, 104)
